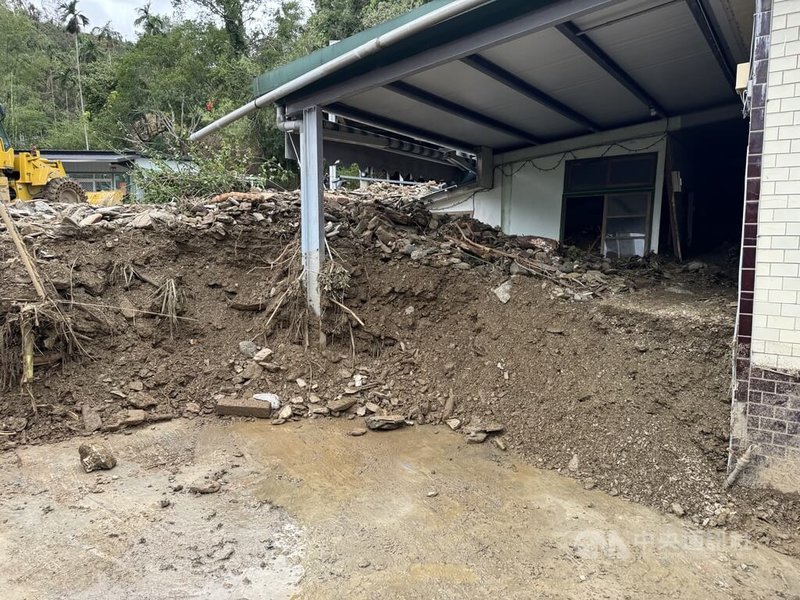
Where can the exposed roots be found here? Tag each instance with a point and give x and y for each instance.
(169, 300)
(35, 333)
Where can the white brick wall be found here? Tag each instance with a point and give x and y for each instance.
(776, 311)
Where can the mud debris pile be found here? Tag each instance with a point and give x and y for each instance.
(624, 364)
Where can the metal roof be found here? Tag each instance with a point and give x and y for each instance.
(511, 74)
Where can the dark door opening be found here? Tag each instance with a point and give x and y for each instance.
(705, 190)
(583, 222)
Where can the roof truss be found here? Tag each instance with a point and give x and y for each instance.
(420, 95)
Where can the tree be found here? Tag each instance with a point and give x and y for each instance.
(73, 22)
(151, 23)
(106, 34)
(232, 13)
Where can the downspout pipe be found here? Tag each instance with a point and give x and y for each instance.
(371, 47)
(282, 124)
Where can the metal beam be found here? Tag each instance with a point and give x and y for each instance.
(455, 109)
(508, 79)
(705, 21)
(538, 20)
(589, 48)
(312, 222)
(387, 124)
(728, 112)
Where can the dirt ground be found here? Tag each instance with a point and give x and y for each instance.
(306, 511)
(626, 392)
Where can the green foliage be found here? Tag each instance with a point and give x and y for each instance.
(203, 175)
(149, 95)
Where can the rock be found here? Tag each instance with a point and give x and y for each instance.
(244, 407)
(491, 427)
(251, 371)
(449, 406)
(126, 418)
(136, 386)
(133, 417)
(589, 484)
(384, 236)
(142, 221)
(372, 407)
(361, 411)
(342, 404)
(453, 424)
(515, 269)
(273, 400)
(573, 463)
(248, 348)
(500, 443)
(476, 437)
(90, 219)
(142, 400)
(433, 494)
(285, 413)
(91, 419)
(262, 355)
(358, 432)
(15, 424)
(385, 423)
(320, 411)
(205, 486)
(95, 456)
(677, 509)
(695, 266)
(192, 408)
(503, 291)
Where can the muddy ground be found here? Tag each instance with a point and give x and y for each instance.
(307, 511)
(627, 391)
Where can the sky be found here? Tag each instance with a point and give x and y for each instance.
(122, 13)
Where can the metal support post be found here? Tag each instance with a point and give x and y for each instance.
(312, 221)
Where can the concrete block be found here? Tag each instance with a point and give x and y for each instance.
(244, 407)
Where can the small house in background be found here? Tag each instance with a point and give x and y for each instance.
(99, 171)
(96, 171)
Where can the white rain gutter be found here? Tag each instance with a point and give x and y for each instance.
(387, 39)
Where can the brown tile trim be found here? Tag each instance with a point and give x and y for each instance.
(762, 35)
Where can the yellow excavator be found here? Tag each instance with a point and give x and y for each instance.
(28, 176)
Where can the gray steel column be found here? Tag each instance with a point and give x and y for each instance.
(312, 221)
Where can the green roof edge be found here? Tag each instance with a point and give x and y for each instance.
(266, 82)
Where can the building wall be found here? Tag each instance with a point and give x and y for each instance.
(776, 312)
(766, 403)
(527, 196)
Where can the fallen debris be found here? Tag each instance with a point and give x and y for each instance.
(385, 423)
(205, 486)
(95, 456)
(244, 407)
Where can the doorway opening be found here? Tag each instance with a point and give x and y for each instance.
(583, 222)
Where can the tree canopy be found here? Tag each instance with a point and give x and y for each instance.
(151, 92)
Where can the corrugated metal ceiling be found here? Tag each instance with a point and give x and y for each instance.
(640, 59)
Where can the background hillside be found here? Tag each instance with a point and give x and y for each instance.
(151, 92)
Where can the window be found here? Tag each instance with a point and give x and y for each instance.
(616, 172)
(100, 182)
(617, 195)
